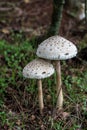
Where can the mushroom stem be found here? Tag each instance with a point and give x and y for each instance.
(59, 104)
(40, 95)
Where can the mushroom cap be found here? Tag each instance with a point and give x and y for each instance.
(38, 69)
(56, 48)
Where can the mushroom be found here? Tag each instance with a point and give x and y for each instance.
(57, 48)
(38, 69)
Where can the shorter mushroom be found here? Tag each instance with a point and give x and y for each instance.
(38, 69)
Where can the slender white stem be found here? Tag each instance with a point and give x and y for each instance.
(59, 104)
(40, 95)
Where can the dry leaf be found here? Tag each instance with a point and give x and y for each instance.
(26, 1)
(18, 122)
(65, 115)
(32, 117)
(5, 31)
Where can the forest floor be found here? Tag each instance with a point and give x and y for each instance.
(20, 22)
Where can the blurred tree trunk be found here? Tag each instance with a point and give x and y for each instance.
(55, 22)
(56, 17)
(86, 10)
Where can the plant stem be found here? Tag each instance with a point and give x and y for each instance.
(40, 95)
(56, 17)
(59, 104)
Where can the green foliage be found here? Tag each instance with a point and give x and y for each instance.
(75, 84)
(3, 118)
(57, 126)
(14, 58)
(75, 127)
(82, 44)
(3, 85)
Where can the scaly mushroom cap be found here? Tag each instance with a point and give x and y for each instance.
(38, 69)
(56, 48)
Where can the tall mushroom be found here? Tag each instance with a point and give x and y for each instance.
(57, 48)
(38, 69)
